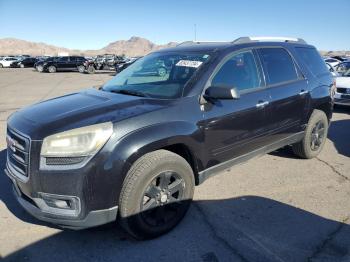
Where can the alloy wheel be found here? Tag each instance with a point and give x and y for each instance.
(317, 136)
(161, 202)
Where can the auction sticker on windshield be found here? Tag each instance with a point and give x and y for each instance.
(189, 63)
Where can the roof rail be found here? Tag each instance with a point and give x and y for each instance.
(200, 42)
(250, 39)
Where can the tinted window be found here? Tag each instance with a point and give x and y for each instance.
(278, 65)
(240, 71)
(64, 59)
(312, 60)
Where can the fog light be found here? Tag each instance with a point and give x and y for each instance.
(58, 204)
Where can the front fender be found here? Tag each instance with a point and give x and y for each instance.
(144, 140)
(133, 145)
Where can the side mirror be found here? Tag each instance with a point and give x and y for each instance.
(221, 92)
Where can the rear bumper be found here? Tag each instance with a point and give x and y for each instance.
(92, 219)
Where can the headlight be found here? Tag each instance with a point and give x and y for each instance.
(84, 141)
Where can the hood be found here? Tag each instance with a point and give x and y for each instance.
(79, 109)
(343, 82)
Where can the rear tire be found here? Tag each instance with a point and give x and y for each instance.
(156, 194)
(315, 136)
(52, 69)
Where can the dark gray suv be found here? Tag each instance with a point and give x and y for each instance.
(133, 150)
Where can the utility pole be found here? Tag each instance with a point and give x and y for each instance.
(195, 32)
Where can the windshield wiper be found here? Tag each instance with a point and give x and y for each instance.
(129, 92)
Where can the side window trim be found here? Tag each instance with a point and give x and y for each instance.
(228, 57)
(301, 76)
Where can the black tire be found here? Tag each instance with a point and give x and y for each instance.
(81, 69)
(146, 211)
(315, 136)
(91, 70)
(52, 69)
(40, 68)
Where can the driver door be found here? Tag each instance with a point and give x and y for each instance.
(233, 128)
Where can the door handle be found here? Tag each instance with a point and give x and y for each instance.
(303, 92)
(262, 104)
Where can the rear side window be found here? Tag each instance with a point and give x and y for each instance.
(278, 65)
(312, 60)
(240, 71)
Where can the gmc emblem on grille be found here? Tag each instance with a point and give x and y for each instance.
(11, 143)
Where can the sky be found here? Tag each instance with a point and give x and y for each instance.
(84, 24)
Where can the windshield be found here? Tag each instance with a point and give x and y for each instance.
(158, 75)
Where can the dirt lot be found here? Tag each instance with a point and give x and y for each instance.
(274, 208)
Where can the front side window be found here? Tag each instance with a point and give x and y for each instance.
(63, 59)
(158, 75)
(240, 72)
(278, 65)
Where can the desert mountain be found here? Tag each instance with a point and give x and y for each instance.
(135, 46)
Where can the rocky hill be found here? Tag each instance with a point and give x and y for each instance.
(135, 46)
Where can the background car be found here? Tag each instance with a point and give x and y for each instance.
(121, 66)
(332, 61)
(7, 61)
(342, 92)
(332, 70)
(342, 67)
(65, 63)
(26, 62)
(39, 66)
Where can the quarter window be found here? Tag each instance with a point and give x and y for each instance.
(240, 71)
(278, 65)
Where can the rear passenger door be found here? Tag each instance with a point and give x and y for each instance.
(63, 63)
(235, 127)
(288, 90)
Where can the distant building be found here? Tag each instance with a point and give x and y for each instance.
(63, 54)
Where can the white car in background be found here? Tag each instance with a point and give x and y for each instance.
(7, 61)
(332, 61)
(332, 70)
(342, 92)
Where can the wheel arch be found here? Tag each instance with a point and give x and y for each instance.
(176, 137)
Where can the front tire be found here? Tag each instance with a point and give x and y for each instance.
(81, 69)
(52, 69)
(315, 136)
(40, 68)
(156, 194)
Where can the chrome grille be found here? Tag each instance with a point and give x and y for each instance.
(343, 90)
(18, 148)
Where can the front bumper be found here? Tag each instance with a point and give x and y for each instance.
(342, 99)
(92, 218)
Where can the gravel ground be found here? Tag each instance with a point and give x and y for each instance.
(273, 208)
